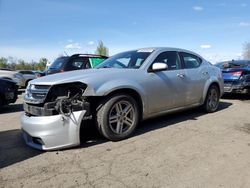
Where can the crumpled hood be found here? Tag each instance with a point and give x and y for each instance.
(86, 76)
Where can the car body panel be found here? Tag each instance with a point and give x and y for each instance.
(57, 131)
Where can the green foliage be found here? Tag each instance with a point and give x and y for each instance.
(101, 49)
(246, 50)
(20, 64)
(3, 62)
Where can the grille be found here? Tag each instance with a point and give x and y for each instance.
(36, 94)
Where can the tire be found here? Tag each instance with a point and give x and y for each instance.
(1, 101)
(118, 117)
(26, 83)
(212, 99)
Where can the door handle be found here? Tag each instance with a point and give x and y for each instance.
(180, 75)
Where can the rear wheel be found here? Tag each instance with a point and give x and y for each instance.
(212, 99)
(118, 117)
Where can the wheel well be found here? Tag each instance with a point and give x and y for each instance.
(133, 94)
(215, 84)
(27, 81)
(96, 103)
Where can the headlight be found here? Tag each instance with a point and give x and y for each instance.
(69, 90)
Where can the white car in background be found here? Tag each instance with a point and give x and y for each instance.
(12, 75)
(28, 75)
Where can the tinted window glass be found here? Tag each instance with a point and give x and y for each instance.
(191, 61)
(126, 60)
(57, 64)
(170, 58)
(76, 64)
(26, 72)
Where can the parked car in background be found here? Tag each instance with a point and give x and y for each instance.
(116, 95)
(12, 75)
(8, 91)
(28, 75)
(75, 62)
(39, 73)
(236, 75)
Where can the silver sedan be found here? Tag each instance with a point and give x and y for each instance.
(125, 89)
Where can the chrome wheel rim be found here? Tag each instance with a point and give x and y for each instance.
(121, 117)
(213, 99)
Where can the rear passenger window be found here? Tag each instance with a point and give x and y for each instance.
(170, 58)
(191, 61)
(76, 64)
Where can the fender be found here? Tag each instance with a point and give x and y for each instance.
(209, 82)
(114, 85)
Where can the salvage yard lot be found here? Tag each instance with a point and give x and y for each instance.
(187, 149)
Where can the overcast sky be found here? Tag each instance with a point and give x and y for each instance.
(31, 29)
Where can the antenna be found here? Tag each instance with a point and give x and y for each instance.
(66, 53)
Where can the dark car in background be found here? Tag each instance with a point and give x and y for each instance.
(236, 75)
(75, 62)
(8, 91)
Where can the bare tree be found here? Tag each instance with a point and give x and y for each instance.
(246, 50)
(101, 49)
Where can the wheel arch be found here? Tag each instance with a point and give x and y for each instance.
(207, 86)
(133, 93)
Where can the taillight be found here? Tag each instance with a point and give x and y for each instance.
(61, 70)
(238, 73)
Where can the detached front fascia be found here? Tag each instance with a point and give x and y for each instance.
(52, 132)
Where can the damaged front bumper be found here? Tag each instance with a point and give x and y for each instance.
(52, 132)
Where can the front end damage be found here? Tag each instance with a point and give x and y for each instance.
(53, 115)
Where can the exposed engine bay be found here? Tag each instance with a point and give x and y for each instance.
(59, 99)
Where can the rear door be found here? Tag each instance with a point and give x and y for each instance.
(196, 74)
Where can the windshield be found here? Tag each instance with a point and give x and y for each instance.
(57, 64)
(126, 60)
(233, 64)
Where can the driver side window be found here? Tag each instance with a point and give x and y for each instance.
(170, 58)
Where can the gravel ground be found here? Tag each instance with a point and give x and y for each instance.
(187, 149)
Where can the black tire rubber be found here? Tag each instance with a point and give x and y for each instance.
(102, 120)
(205, 105)
(1, 101)
(26, 83)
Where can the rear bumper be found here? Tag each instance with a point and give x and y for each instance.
(243, 87)
(52, 132)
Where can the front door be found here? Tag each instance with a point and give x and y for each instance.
(167, 89)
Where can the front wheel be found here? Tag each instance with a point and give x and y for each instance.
(212, 99)
(118, 117)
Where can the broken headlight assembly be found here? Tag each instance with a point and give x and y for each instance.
(60, 99)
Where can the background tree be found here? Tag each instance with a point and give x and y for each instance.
(246, 50)
(41, 64)
(3, 62)
(101, 49)
(19, 64)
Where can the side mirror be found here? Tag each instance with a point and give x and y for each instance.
(158, 67)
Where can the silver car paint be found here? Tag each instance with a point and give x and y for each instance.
(161, 92)
(56, 131)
